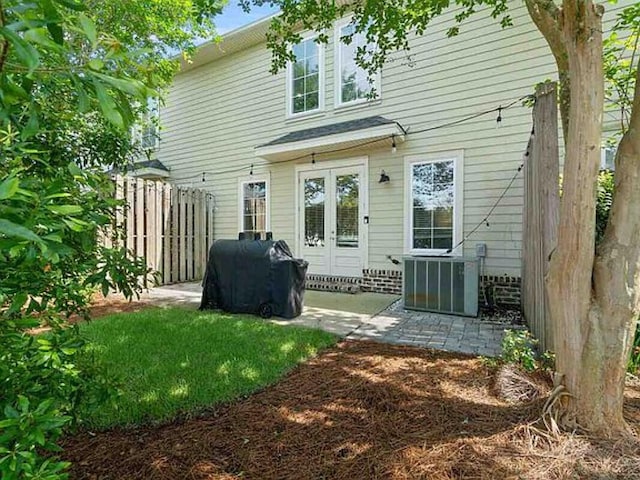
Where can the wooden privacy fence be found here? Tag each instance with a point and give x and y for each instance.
(170, 226)
(541, 212)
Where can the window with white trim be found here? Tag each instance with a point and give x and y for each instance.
(432, 201)
(254, 206)
(149, 137)
(608, 158)
(305, 78)
(353, 82)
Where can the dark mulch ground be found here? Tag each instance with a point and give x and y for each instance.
(360, 411)
(101, 306)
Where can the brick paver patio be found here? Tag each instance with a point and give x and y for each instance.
(433, 330)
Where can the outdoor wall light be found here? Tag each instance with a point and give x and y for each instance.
(384, 178)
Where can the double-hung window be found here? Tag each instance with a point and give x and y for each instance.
(148, 131)
(434, 204)
(254, 206)
(305, 78)
(353, 83)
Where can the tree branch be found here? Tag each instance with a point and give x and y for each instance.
(4, 50)
(634, 121)
(546, 16)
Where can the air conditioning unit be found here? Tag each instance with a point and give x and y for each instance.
(441, 284)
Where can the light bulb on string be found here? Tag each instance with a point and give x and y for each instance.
(393, 144)
(251, 170)
(499, 119)
(313, 158)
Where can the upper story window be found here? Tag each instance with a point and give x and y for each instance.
(434, 203)
(608, 158)
(146, 133)
(305, 78)
(353, 83)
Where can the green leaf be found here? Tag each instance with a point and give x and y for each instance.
(9, 187)
(75, 225)
(89, 29)
(24, 51)
(108, 105)
(8, 423)
(65, 209)
(76, 5)
(10, 229)
(53, 18)
(74, 169)
(96, 64)
(39, 36)
(18, 302)
(33, 125)
(130, 86)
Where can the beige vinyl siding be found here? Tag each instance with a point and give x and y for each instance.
(217, 113)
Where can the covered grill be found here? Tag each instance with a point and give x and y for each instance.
(254, 276)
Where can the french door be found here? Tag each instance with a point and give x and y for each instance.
(331, 228)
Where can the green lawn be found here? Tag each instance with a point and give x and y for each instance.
(175, 361)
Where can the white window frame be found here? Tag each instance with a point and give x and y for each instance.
(321, 81)
(254, 179)
(138, 129)
(457, 157)
(337, 70)
(603, 156)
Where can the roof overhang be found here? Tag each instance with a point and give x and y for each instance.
(231, 42)
(373, 137)
(150, 173)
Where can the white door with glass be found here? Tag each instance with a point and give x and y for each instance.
(331, 220)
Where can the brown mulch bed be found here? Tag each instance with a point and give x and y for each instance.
(361, 410)
(101, 306)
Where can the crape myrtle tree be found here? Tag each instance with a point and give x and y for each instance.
(74, 77)
(594, 294)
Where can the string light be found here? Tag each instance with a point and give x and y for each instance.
(485, 220)
(204, 176)
(498, 109)
(251, 171)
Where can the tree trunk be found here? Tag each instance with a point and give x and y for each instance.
(583, 343)
(616, 277)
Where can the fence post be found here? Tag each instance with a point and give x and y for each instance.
(189, 201)
(166, 233)
(541, 211)
(139, 212)
(129, 211)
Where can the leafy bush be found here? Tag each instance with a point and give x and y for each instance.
(42, 389)
(519, 348)
(603, 205)
(634, 361)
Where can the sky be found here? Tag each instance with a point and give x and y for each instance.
(233, 16)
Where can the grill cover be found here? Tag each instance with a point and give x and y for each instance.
(254, 276)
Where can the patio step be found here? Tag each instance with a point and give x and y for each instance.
(327, 283)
